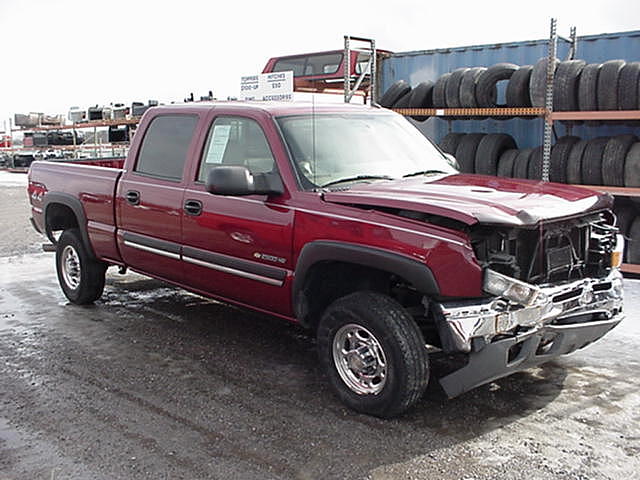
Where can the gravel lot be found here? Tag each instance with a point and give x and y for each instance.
(153, 382)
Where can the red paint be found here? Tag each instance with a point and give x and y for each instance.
(244, 228)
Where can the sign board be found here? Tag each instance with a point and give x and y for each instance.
(277, 86)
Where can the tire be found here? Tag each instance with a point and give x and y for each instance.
(608, 84)
(633, 244)
(625, 215)
(367, 320)
(468, 87)
(466, 151)
(574, 163)
(507, 162)
(628, 86)
(394, 93)
(518, 87)
(538, 82)
(486, 89)
(403, 101)
(632, 167)
(592, 161)
(614, 158)
(534, 169)
(560, 158)
(565, 85)
(420, 97)
(81, 278)
(452, 88)
(450, 143)
(439, 95)
(489, 150)
(588, 88)
(521, 164)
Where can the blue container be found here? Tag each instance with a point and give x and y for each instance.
(418, 66)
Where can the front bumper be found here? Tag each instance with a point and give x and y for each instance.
(502, 338)
(504, 357)
(461, 323)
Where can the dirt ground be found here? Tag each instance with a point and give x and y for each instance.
(153, 382)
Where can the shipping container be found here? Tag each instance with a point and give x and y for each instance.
(418, 66)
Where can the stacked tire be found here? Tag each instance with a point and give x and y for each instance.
(480, 152)
(577, 86)
(402, 95)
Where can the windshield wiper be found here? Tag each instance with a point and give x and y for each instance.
(356, 178)
(423, 172)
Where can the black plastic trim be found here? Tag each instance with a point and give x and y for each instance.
(417, 273)
(76, 206)
(152, 242)
(248, 266)
(492, 361)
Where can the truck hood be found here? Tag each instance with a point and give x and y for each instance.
(476, 198)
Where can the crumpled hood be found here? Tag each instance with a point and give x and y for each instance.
(476, 198)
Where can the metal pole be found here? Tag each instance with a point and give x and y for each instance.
(373, 74)
(574, 43)
(347, 69)
(548, 125)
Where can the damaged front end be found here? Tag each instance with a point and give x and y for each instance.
(551, 290)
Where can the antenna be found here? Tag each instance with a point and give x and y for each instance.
(313, 138)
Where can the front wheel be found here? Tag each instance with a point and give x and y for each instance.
(374, 354)
(81, 277)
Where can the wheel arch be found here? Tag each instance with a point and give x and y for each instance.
(370, 263)
(63, 211)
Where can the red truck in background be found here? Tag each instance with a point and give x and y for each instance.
(349, 221)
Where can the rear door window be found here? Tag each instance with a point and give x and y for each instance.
(165, 146)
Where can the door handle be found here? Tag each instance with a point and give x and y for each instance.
(193, 207)
(133, 197)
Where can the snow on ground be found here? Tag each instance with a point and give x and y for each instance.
(10, 179)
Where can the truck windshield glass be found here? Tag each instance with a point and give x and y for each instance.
(333, 149)
(322, 64)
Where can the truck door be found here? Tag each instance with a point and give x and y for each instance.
(149, 198)
(238, 248)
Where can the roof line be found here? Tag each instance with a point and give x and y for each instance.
(630, 33)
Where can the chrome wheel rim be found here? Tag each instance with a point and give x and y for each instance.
(359, 359)
(70, 264)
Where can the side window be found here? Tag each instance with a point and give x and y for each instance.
(236, 141)
(165, 145)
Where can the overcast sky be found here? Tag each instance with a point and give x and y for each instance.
(59, 53)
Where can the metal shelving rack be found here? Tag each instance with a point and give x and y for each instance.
(98, 148)
(549, 117)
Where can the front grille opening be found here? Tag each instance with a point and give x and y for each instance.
(551, 252)
(567, 296)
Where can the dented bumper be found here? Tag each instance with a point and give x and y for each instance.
(502, 337)
(462, 322)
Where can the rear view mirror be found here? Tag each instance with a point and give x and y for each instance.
(238, 180)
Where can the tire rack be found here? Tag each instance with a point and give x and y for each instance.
(97, 147)
(549, 117)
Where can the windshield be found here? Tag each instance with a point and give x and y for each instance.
(332, 148)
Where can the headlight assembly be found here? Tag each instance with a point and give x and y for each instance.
(514, 290)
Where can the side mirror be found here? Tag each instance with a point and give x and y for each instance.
(451, 160)
(237, 180)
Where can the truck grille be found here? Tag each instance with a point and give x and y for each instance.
(551, 252)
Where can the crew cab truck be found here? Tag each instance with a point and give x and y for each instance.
(349, 221)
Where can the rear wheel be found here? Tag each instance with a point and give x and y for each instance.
(374, 354)
(81, 277)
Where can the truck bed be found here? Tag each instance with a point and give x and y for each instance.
(94, 186)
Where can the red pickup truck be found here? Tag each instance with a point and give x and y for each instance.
(349, 221)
